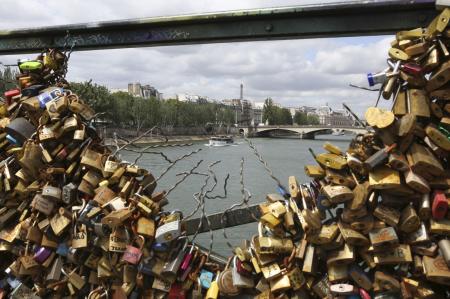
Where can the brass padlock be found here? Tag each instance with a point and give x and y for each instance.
(383, 238)
(387, 214)
(399, 254)
(60, 221)
(409, 220)
(337, 194)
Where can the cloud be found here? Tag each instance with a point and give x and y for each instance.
(292, 72)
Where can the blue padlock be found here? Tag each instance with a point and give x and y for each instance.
(11, 140)
(206, 278)
(62, 249)
(160, 247)
(46, 97)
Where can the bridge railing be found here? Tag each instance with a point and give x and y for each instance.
(310, 21)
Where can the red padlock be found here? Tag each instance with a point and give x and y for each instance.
(187, 258)
(133, 254)
(412, 68)
(10, 94)
(176, 291)
(240, 267)
(364, 294)
(440, 205)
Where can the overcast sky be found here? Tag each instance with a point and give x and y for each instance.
(292, 72)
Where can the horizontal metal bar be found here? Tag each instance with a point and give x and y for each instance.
(321, 20)
(233, 218)
(213, 256)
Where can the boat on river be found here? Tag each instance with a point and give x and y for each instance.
(221, 141)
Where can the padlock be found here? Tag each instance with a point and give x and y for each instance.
(444, 248)
(187, 259)
(133, 254)
(338, 194)
(116, 218)
(309, 260)
(440, 206)
(74, 278)
(118, 240)
(399, 254)
(146, 227)
(352, 237)
(332, 161)
(80, 237)
(379, 157)
(239, 280)
(387, 214)
(409, 220)
(51, 192)
(280, 284)
(55, 272)
(42, 204)
(169, 230)
(273, 245)
(416, 182)
(385, 282)
(174, 260)
(69, 193)
(176, 292)
(382, 238)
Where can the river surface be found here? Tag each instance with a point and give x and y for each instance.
(285, 157)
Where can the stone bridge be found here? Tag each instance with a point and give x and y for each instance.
(304, 132)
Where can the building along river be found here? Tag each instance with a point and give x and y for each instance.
(286, 157)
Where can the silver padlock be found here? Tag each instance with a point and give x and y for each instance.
(169, 230)
(55, 271)
(239, 280)
(116, 204)
(69, 193)
(444, 248)
(51, 192)
(176, 256)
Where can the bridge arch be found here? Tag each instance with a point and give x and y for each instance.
(306, 132)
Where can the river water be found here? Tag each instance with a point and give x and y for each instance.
(285, 157)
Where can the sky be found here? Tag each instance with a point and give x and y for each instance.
(292, 72)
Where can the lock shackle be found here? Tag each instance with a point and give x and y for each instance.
(77, 210)
(97, 291)
(192, 245)
(63, 271)
(227, 265)
(234, 262)
(141, 244)
(260, 229)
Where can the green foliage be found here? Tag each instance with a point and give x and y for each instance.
(124, 110)
(97, 96)
(269, 112)
(7, 79)
(300, 118)
(275, 115)
(313, 119)
(285, 117)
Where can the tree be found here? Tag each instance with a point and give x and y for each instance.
(300, 118)
(7, 79)
(97, 96)
(286, 117)
(124, 110)
(269, 112)
(313, 119)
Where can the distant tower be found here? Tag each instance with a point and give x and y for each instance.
(242, 92)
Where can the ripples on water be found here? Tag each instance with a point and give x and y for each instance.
(286, 157)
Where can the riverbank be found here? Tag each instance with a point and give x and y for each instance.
(160, 140)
